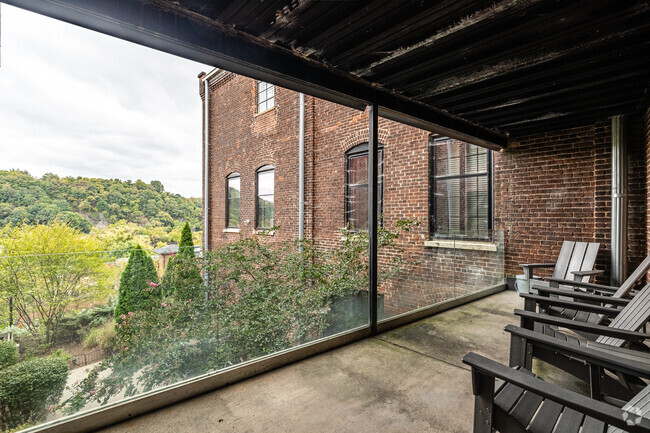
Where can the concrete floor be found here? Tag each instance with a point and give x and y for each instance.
(410, 379)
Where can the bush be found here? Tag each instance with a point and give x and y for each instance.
(28, 388)
(8, 354)
(72, 326)
(103, 336)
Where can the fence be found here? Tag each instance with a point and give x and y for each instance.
(81, 359)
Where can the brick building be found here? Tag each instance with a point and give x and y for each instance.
(481, 213)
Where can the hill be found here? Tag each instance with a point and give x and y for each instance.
(87, 202)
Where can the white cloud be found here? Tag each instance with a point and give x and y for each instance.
(78, 103)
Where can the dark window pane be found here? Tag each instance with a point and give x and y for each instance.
(461, 189)
(357, 190)
(358, 207)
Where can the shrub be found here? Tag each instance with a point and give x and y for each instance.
(73, 325)
(28, 388)
(138, 288)
(8, 354)
(102, 336)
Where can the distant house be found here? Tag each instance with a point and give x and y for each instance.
(164, 254)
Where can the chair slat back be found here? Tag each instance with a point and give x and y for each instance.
(562, 263)
(632, 318)
(631, 281)
(575, 256)
(638, 407)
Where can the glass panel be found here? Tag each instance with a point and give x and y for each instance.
(462, 207)
(415, 269)
(138, 319)
(265, 182)
(265, 208)
(358, 207)
(358, 170)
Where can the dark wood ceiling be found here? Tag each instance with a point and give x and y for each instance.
(514, 67)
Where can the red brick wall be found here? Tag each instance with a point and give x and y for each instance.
(243, 141)
(547, 188)
(555, 186)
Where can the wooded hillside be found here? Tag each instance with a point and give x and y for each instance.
(86, 202)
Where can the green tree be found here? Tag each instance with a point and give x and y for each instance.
(49, 270)
(186, 246)
(75, 220)
(138, 285)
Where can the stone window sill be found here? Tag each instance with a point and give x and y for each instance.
(231, 230)
(264, 232)
(264, 112)
(461, 245)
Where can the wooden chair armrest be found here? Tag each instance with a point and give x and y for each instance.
(537, 265)
(588, 273)
(528, 316)
(610, 359)
(574, 305)
(575, 294)
(592, 286)
(596, 409)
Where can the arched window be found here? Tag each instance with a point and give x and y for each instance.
(265, 197)
(232, 200)
(356, 186)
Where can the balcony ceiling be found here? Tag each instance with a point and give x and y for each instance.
(487, 69)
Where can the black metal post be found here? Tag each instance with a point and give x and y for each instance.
(373, 185)
(11, 311)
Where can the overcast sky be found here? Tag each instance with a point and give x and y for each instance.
(78, 103)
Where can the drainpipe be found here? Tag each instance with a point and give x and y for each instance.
(206, 162)
(619, 201)
(206, 165)
(301, 170)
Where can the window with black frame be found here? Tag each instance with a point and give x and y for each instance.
(460, 190)
(232, 200)
(356, 186)
(265, 197)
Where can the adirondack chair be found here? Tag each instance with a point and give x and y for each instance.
(621, 332)
(524, 403)
(575, 262)
(608, 296)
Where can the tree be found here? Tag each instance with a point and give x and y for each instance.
(138, 284)
(183, 275)
(49, 270)
(186, 246)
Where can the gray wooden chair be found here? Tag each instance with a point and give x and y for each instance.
(575, 262)
(608, 296)
(524, 403)
(622, 332)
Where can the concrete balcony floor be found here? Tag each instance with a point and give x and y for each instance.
(410, 379)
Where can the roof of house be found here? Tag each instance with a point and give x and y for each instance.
(167, 249)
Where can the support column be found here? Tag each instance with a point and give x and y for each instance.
(619, 201)
(373, 185)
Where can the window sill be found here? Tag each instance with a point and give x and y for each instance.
(264, 232)
(264, 112)
(231, 230)
(461, 245)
